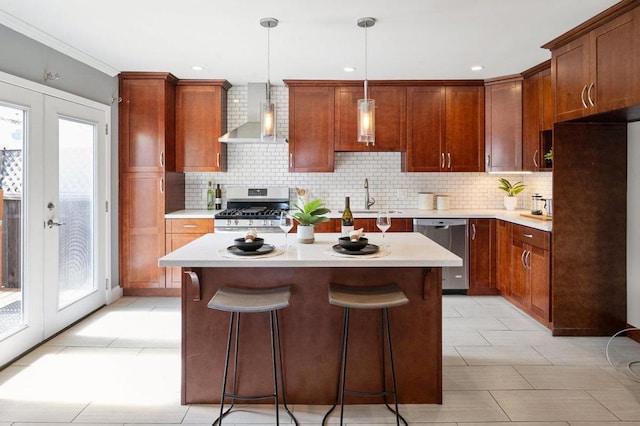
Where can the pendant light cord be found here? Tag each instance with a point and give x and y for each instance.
(366, 61)
(268, 64)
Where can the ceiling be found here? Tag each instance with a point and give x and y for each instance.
(412, 39)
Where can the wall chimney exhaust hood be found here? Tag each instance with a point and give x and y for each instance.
(249, 132)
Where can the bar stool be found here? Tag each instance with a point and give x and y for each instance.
(378, 297)
(237, 301)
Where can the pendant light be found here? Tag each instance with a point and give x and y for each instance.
(268, 109)
(366, 106)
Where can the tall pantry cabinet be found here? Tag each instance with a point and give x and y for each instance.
(148, 183)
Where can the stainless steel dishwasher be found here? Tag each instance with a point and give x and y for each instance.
(452, 235)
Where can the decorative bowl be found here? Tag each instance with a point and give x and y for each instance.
(248, 246)
(347, 244)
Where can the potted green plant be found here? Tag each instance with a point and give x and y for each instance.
(510, 200)
(310, 212)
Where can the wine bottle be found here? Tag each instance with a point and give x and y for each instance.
(218, 197)
(210, 197)
(347, 219)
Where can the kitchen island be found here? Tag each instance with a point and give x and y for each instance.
(311, 327)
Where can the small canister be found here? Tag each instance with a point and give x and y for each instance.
(536, 204)
(442, 202)
(425, 200)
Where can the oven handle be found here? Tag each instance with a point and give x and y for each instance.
(232, 230)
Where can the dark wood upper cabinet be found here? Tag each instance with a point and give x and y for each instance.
(391, 118)
(147, 122)
(311, 126)
(445, 127)
(464, 132)
(594, 66)
(503, 124)
(537, 117)
(201, 118)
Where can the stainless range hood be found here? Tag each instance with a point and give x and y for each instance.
(249, 132)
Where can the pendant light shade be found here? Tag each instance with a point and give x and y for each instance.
(268, 108)
(366, 106)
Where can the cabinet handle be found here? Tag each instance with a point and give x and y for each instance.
(162, 159)
(473, 231)
(535, 157)
(448, 160)
(584, 89)
(442, 160)
(591, 86)
(189, 226)
(291, 159)
(488, 160)
(162, 185)
(218, 160)
(524, 253)
(528, 235)
(527, 259)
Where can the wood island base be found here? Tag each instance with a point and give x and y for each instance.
(311, 331)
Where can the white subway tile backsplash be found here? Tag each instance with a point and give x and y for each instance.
(267, 165)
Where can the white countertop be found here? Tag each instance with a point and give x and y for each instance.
(513, 217)
(405, 249)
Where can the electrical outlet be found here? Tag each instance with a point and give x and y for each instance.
(402, 194)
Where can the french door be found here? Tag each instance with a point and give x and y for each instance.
(54, 181)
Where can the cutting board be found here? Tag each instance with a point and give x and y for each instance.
(537, 216)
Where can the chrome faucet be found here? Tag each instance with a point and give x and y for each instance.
(368, 201)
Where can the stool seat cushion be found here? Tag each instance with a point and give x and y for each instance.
(233, 299)
(376, 297)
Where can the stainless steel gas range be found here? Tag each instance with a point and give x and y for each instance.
(255, 207)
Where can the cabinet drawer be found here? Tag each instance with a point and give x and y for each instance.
(535, 237)
(189, 226)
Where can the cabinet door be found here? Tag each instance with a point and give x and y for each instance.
(142, 206)
(201, 118)
(174, 242)
(147, 125)
(531, 118)
(425, 129)
(391, 118)
(570, 73)
(503, 126)
(346, 119)
(519, 288)
(464, 129)
(482, 252)
(503, 255)
(614, 71)
(539, 261)
(546, 103)
(311, 129)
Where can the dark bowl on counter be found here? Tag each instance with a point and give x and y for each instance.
(243, 245)
(347, 244)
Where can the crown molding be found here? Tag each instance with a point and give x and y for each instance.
(40, 36)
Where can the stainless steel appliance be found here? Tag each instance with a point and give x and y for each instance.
(257, 207)
(452, 235)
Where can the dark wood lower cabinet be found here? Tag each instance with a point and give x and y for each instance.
(482, 257)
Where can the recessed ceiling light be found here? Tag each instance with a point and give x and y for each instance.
(477, 68)
(197, 68)
(349, 69)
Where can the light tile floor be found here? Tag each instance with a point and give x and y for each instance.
(121, 366)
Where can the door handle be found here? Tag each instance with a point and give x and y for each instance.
(51, 223)
(473, 231)
(162, 159)
(162, 185)
(584, 89)
(527, 259)
(535, 155)
(218, 160)
(591, 86)
(442, 160)
(290, 159)
(524, 252)
(448, 160)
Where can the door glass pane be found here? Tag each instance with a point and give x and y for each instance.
(76, 205)
(12, 133)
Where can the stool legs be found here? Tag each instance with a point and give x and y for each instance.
(234, 327)
(340, 389)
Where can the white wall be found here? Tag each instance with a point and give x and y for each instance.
(633, 225)
(254, 164)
